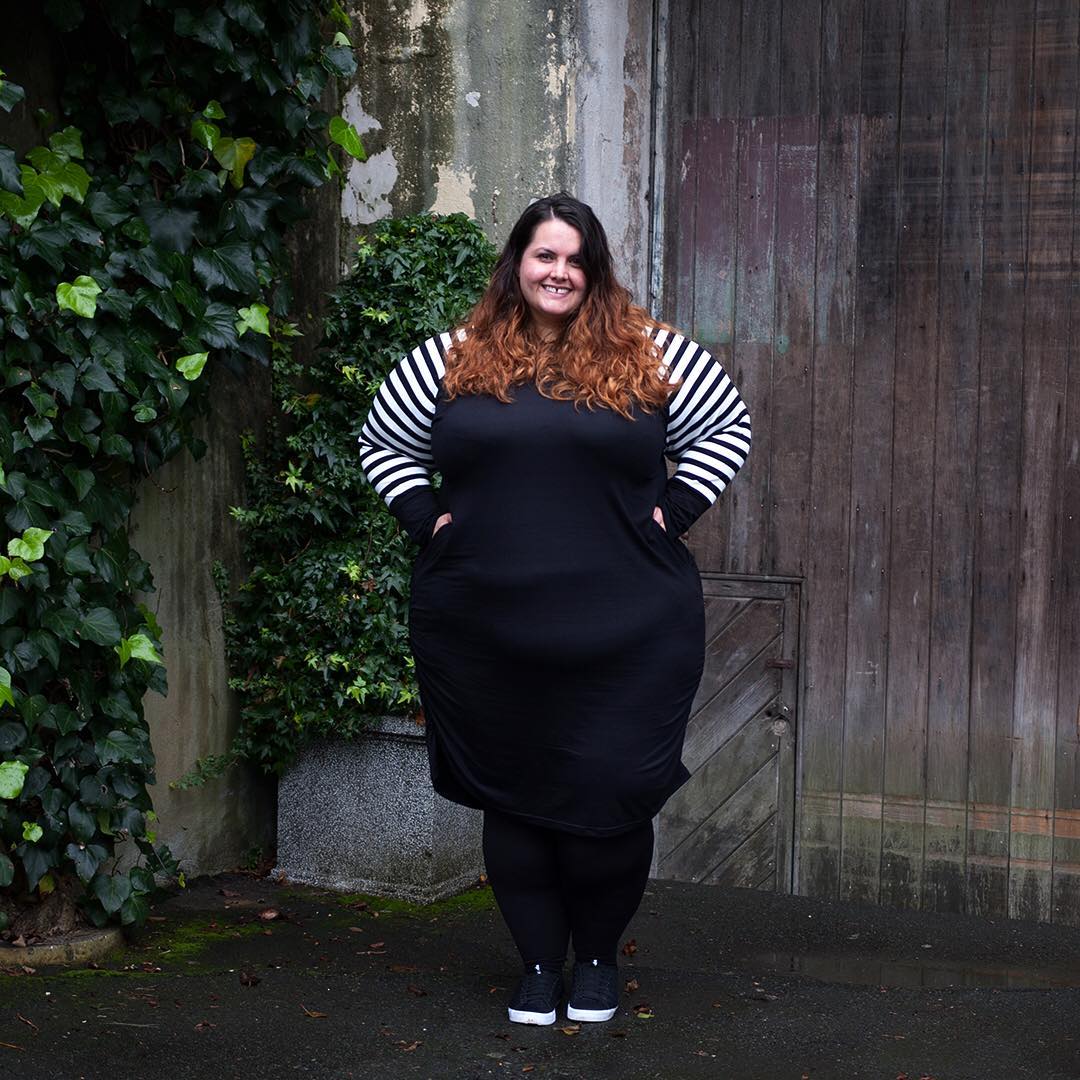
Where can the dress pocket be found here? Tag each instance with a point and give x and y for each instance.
(434, 548)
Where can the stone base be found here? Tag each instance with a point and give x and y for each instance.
(362, 817)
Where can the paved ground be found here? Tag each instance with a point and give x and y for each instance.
(215, 989)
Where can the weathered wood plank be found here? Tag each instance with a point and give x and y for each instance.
(1066, 884)
(713, 314)
(790, 449)
(822, 706)
(1046, 345)
(715, 781)
(755, 274)
(753, 860)
(998, 456)
(725, 829)
(745, 696)
(682, 163)
(948, 705)
(872, 440)
(914, 417)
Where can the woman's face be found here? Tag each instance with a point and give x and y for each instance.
(551, 275)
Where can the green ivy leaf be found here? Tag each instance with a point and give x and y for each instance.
(6, 696)
(213, 110)
(112, 890)
(9, 172)
(118, 746)
(67, 143)
(100, 626)
(233, 156)
(79, 296)
(205, 134)
(230, 265)
(86, 857)
(191, 366)
(31, 546)
(12, 775)
(134, 910)
(346, 136)
(137, 647)
(32, 832)
(107, 209)
(83, 824)
(24, 209)
(10, 94)
(170, 226)
(256, 318)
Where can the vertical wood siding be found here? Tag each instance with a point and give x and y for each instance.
(872, 219)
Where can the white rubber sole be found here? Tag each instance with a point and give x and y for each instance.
(593, 1016)
(521, 1016)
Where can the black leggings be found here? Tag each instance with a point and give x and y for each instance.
(553, 886)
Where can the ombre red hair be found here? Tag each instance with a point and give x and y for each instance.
(605, 356)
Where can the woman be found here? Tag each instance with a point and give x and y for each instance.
(557, 621)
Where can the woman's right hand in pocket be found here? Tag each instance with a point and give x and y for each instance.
(440, 521)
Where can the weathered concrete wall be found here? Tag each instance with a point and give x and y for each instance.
(482, 105)
(181, 526)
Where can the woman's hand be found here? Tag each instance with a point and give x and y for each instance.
(658, 517)
(440, 521)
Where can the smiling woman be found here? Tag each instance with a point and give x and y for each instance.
(551, 277)
(556, 621)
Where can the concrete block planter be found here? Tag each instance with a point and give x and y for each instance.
(361, 816)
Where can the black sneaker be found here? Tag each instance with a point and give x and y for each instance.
(537, 997)
(595, 993)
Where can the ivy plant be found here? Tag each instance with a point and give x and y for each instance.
(317, 634)
(141, 246)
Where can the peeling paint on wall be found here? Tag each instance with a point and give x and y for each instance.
(366, 197)
(453, 192)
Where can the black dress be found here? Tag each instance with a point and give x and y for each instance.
(558, 630)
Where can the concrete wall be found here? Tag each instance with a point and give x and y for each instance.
(181, 526)
(481, 105)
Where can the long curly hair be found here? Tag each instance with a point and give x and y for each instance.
(605, 355)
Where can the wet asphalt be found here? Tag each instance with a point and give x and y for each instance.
(245, 977)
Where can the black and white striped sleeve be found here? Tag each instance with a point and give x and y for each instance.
(708, 431)
(395, 441)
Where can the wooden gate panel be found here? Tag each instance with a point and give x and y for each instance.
(733, 819)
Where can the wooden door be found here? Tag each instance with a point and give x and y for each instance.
(732, 822)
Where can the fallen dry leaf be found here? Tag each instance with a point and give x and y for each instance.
(632, 985)
(629, 948)
(617, 1034)
(29, 1023)
(527, 1068)
(376, 944)
(249, 978)
(643, 1011)
(269, 914)
(409, 1047)
(416, 991)
(229, 893)
(570, 1029)
(356, 929)
(204, 1025)
(313, 1013)
(402, 969)
(19, 942)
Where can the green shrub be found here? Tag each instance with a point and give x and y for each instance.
(141, 245)
(317, 635)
